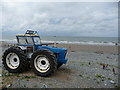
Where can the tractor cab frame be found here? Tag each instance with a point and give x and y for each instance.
(30, 38)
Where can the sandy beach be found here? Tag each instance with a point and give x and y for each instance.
(90, 48)
(87, 32)
(83, 70)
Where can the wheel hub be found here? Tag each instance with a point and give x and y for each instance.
(12, 60)
(42, 64)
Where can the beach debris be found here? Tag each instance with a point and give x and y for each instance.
(107, 57)
(89, 63)
(109, 78)
(81, 75)
(105, 84)
(99, 76)
(88, 77)
(98, 81)
(44, 86)
(24, 86)
(113, 71)
(0, 75)
(94, 79)
(106, 66)
(112, 82)
(102, 80)
(72, 51)
(8, 85)
(99, 52)
(116, 43)
(103, 66)
(116, 86)
(6, 74)
(70, 48)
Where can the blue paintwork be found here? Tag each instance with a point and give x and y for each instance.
(59, 52)
(27, 45)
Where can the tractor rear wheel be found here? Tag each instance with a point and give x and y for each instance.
(43, 63)
(14, 60)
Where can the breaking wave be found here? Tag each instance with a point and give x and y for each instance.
(68, 42)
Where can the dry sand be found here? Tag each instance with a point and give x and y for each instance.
(83, 70)
(90, 48)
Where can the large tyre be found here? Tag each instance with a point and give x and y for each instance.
(14, 60)
(43, 63)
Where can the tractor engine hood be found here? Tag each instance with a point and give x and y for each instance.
(59, 52)
(52, 49)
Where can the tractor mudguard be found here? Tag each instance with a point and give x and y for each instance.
(59, 52)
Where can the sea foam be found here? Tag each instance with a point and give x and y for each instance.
(69, 42)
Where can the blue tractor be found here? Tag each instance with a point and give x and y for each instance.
(30, 52)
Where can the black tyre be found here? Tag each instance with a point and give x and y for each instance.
(43, 63)
(14, 60)
(59, 65)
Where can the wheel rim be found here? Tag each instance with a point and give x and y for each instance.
(12, 60)
(41, 63)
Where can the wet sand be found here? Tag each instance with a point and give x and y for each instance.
(83, 70)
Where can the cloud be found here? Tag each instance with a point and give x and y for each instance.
(71, 19)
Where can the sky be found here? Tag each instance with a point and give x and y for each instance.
(95, 19)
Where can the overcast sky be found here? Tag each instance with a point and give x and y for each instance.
(61, 18)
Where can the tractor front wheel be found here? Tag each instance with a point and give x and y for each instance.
(43, 63)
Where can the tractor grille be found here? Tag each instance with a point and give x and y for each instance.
(59, 54)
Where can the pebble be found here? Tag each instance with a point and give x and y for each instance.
(7, 73)
(105, 84)
(8, 85)
(112, 82)
(44, 86)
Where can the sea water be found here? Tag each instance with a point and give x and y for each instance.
(73, 40)
(81, 40)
